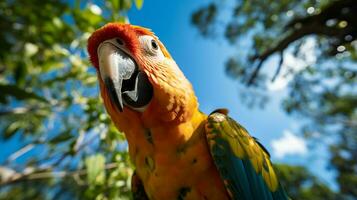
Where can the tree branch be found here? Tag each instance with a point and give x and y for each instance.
(37, 175)
(299, 28)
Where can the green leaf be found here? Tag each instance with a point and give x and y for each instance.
(139, 4)
(19, 93)
(125, 4)
(61, 137)
(95, 165)
(115, 4)
(10, 130)
(20, 73)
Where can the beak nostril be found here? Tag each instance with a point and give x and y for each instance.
(120, 42)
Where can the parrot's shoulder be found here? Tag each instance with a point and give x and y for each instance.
(223, 111)
(243, 162)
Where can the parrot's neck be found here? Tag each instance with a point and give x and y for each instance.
(164, 137)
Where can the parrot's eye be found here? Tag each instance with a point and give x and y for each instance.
(151, 46)
(154, 44)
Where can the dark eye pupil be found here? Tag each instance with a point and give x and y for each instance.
(120, 42)
(154, 44)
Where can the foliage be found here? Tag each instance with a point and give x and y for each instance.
(314, 46)
(49, 103)
(301, 184)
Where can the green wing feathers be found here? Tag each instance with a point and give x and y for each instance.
(243, 163)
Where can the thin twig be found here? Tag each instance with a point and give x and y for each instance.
(278, 69)
(20, 152)
(255, 73)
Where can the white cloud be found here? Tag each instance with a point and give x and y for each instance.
(292, 64)
(289, 144)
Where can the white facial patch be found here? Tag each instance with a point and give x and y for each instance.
(151, 47)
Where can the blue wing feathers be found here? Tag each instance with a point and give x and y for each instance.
(241, 178)
(256, 183)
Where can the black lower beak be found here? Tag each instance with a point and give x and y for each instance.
(114, 96)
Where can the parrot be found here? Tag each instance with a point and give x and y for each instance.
(178, 151)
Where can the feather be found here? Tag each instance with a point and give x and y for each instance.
(244, 163)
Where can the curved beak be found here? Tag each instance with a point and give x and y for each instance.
(115, 66)
(125, 83)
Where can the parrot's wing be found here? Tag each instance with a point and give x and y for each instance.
(243, 163)
(137, 188)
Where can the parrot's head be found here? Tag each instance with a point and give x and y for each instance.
(138, 78)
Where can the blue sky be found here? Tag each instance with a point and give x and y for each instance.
(202, 61)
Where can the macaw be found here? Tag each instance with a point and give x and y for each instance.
(178, 151)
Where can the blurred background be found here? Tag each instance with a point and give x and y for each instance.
(285, 69)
